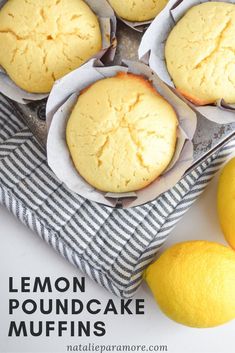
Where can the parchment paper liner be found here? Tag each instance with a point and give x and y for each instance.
(60, 103)
(108, 26)
(137, 26)
(151, 52)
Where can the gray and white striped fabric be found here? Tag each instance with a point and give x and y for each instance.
(112, 246)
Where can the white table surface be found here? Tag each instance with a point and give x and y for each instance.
(24, 254)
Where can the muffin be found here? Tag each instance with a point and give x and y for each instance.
(121, 134)
(137, 10)
(200, 53)
(41, 41)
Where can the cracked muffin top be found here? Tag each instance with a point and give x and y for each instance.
(41, 41)
(121, 134)
(137, 10)
(200, 53)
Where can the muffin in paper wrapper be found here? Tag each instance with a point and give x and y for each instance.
(60, 104)
(139, 26)
(152, 52)
(108, 26)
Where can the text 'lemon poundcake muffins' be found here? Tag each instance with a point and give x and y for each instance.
(200, 53)
(137, 10)
(121, 134)
(41, 41)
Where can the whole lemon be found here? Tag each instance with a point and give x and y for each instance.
(226, 201)
(194, 283)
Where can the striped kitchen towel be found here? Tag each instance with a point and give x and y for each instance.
(112, 246)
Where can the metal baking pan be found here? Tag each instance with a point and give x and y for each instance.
(209, 136)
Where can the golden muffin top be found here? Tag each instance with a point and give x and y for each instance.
(137, 10)
(41, 41)
(200, 53)
(121, 133)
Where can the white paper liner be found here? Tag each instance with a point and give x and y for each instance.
(108, 26)
(137, 26)
(60, 103)
(152, 52)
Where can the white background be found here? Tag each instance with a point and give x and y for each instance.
(24, 254)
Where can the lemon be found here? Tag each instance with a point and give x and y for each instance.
(194, 283)
(226, 201)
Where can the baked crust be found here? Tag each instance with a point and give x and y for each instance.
(137, 10)
(41, 41)
(121, 134)
(200, 51)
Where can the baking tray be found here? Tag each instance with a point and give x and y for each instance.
(209, 136)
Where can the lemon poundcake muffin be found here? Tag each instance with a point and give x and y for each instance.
(41, 41)
(121, 133)
(200, 53)
(137, 10)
